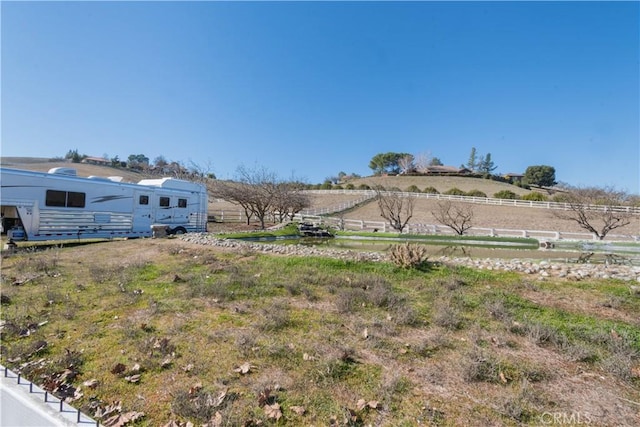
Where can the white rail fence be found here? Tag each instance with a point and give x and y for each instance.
(381, 226)
(369, 194)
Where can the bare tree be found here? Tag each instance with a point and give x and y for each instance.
(289, 201)
(405, 163)
(233, 192)
(423, 161)
(260, 193)
(597, 210)
(395, 208)
(457, 216)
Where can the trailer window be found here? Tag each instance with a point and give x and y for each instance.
(164, 202)
(69, 199)
(75, 200)
(144, 200)
(56, 198)
(182, 203)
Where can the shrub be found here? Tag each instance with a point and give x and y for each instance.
(326, 185)
(522, 405)
(430, 190)
(350, 186)
(522, 185)
(476, 193)
(505, 194)
(448, 316)
(454, 192)
(350, 299)
(561, 198)
(408, 255)
(364, 187)
(482, 367)
(536, 197)
(413, 189)
(275, 317)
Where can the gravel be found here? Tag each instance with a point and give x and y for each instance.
(541, 270)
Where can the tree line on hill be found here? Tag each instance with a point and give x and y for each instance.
(392, 163)
(141, 163)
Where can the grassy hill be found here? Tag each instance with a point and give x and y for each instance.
(440, 183)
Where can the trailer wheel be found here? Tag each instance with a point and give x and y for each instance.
(179, 230)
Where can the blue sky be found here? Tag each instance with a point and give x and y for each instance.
(309, 89)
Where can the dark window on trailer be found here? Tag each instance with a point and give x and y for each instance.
(144, 200)
(56, 198)
(164, 202)
(75, 200)
(69, 199)
(182, 203)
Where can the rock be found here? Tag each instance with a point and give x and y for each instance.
(545, 268)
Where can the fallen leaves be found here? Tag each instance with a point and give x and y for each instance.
(118, 368)
(363, 404)
(273, 411)
(112, 416)
(299, 410)
(92, 383)
(132, 375)
(120, 420)
(133, 378)
(244, 369)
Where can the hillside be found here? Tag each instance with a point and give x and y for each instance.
(484, 216)
(43, 165)
(440, 183)
(179, 332)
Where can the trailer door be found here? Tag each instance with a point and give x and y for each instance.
(142, 212)
(164, 209)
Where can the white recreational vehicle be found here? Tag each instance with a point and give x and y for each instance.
(60, 205)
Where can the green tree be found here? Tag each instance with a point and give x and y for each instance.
(387, 162)
(486, 165)
(137, 160)
(472, 163)
(435, 162)
(73, 156)
(542, 175)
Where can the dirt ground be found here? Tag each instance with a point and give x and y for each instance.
(484, 216)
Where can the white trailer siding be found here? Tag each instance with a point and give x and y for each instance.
(54, 206)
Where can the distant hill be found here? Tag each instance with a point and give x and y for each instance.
(43, 165)
(440, 183)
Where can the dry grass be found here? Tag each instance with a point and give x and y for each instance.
(218, 333)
